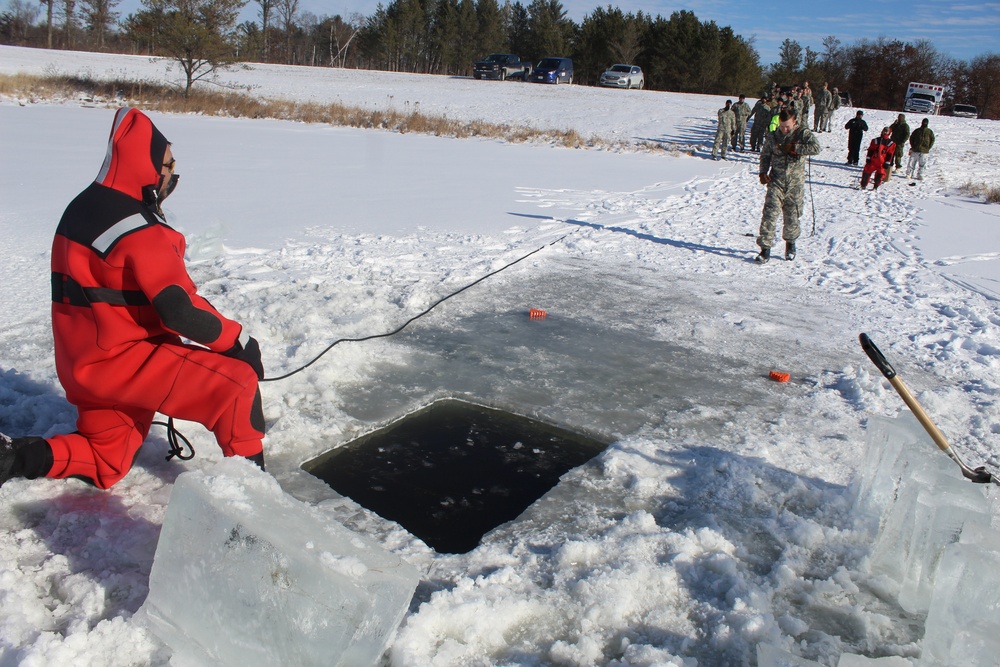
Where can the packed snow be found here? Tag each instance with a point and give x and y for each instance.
(721, 515)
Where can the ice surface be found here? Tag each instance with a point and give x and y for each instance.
(246, 575)
(772, 656)
(923, 504)
(849, 660)
(963, 624)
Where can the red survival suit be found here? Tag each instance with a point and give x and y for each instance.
(121, 301)
(880, 154)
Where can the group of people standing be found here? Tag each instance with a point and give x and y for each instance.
(799, 100)
(885, 153)
(780, 132)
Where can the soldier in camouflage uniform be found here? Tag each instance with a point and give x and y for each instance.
(742, 112)
(795, 105)
(761, 118)
(725, 129)
(824, 102)
(833, 108)
(782, 170)
(807, 102)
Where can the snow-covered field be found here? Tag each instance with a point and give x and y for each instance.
(719, 518)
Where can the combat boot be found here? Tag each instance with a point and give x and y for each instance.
(764, 256)
(29, 457)
(789, 250)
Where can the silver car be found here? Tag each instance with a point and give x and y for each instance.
(623, 76)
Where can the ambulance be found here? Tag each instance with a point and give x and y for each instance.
(925, 98)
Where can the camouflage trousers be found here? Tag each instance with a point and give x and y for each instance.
(722, 138)
(786, 202)
(740, 136)
(821, 120)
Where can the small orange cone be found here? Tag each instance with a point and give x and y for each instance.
(778, 376)
(536, 314)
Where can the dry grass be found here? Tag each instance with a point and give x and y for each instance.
(152, 96)
(991, 193)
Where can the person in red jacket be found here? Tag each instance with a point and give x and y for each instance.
(880, 154)
(132, 335)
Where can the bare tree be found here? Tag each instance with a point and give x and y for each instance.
(265, 22)
(99, 16)
(21, 16)
(69, 22)
(287, 13)
(48, 20)
(341, 35)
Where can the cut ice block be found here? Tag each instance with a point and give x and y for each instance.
(923, 503)
(246, 575)
(769, 655)
(963, 624)
(849, 660)
(893, 447)
(931, 510)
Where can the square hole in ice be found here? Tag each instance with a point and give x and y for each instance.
(451, 472)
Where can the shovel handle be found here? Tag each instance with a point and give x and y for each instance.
(877, 357)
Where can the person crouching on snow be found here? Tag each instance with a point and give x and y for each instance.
(122, 300)
(880, 156)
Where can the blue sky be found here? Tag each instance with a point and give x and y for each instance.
(961, 30)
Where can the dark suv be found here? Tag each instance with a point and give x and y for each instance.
(552, 70)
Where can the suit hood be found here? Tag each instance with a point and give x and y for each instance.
(135, 154)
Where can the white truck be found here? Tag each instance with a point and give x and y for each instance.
(924, 98)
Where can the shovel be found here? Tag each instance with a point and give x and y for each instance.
(980, 475)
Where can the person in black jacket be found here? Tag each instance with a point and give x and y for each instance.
(856, 131)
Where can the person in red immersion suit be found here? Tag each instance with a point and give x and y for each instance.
(132, 335)
(880, 154)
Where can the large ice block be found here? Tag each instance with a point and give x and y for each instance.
(892, 448)
(930, 512)
(246, 575)
(963, 623)
(930, 505)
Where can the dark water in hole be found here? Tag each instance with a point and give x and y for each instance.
(453, 471)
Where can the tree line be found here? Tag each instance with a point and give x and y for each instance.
(678, 53)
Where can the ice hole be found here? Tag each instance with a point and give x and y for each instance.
(451, 472)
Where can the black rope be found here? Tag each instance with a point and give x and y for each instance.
(415, 317)
(173, 439)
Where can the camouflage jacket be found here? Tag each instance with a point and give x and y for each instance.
(761, 111)
(824, 99)
(782, 157)
(727, 120)
(742, 111)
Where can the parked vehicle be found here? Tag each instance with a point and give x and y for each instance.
(845, 98)
(923, 98)
(965, 111)
(501, 66)
(623, 76)
(552, 70)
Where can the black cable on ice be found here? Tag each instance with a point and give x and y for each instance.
(417, 316)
